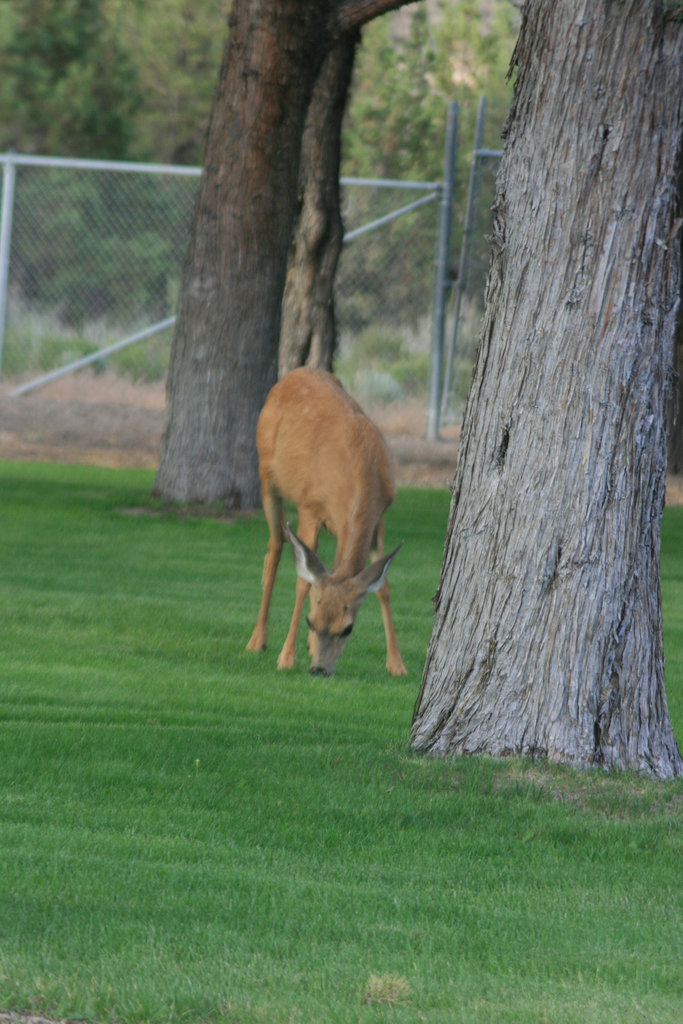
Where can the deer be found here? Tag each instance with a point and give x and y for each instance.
(318, 450)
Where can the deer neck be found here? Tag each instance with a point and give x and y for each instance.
(354, 542)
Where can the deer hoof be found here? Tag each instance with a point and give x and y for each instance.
(397, 668)
(286, 659)
(257, 642)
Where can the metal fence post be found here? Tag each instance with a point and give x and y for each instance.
(442, 283)
(8, 176)
(463, 268)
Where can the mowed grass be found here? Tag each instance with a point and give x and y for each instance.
(188, 835)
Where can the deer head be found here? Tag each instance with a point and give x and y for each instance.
(334, 602)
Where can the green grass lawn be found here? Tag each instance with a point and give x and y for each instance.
(188, 835)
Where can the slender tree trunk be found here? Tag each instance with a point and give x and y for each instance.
(225, 348)
(307, 335)
(547, 636)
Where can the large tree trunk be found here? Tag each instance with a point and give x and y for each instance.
(225, 348)
(547, 636)
(307, 333)
(675, 411)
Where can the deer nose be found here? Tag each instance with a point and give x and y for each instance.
(318, 670)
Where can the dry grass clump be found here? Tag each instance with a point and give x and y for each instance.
(387, 988)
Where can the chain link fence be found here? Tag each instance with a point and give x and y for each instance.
(91, 255)
(95, 250)
(94, 255)
(466, 306)
(469, 280)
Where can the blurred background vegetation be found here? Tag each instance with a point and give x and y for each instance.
(134, 80)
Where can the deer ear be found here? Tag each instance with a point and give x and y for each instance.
(308, 565)
(372, 577)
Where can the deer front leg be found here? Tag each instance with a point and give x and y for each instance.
(394, 660)
(309, 531)
(273, 510)
(260, 635)
(395, 664)
(288, 652)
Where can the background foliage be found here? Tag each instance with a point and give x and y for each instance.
(134, 79)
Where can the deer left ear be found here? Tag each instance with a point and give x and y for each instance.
(372, 577)
(308, 565)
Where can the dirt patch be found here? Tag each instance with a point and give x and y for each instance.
(103, 420)
(105, 434)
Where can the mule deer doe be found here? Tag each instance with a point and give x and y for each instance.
(318, 449)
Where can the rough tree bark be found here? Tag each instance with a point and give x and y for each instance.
(675, 420)
(224, 356)
(547, 636)
(675, 411)
(307, 332)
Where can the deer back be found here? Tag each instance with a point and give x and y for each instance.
(318, 449)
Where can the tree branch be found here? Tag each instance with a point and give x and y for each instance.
(352, 14)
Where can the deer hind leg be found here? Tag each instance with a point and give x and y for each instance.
(308, 530)
(272, 505)
(394, 660)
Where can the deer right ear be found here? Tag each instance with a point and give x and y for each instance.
(308, 565)
(373, 576)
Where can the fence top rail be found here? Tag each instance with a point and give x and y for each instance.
(129, 166)
(96, 165)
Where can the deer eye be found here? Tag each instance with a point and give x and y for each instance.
(346, 631)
